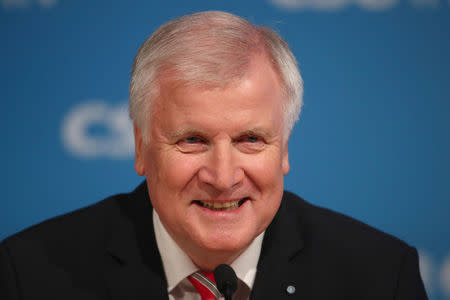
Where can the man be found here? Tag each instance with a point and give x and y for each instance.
(213, 100)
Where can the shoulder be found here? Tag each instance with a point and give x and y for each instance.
(73, 253)
(76, 225)
(335, 256)
(87, 227)
(332, 234)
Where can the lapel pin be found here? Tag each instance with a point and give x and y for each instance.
(290, 289)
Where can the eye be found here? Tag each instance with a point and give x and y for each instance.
(250, 143)
(192, 144)
(193, 140)
(252, 139)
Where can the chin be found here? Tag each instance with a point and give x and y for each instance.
(229, 243)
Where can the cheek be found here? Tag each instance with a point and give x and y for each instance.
(173, 170)
(168, 182)
(265, 170)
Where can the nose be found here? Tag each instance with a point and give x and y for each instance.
(221, 168)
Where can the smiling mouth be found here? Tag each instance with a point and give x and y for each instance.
(222, 206)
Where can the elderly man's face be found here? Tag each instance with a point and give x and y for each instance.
(215, 162)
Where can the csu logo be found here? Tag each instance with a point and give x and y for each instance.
(98, 129)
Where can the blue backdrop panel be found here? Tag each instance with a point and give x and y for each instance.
(373, 141)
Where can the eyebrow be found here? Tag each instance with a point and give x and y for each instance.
(192, 131)
(257, 131)
(185, 132)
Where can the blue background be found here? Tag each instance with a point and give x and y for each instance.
(373, 141)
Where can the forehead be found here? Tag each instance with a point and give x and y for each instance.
(218, 75)
(254, 99)
(259, 72)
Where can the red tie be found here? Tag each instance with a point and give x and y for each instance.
(205, 284)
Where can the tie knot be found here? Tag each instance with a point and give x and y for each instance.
(205, 284)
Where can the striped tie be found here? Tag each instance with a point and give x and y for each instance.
(205, 284)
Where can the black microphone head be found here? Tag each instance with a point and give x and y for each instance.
(226, 279)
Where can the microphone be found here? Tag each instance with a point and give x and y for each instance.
(226, 280)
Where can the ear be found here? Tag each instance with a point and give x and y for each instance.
(285, 160)
(139, 151)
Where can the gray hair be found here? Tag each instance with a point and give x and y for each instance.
(210, 49)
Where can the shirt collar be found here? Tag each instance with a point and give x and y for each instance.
(178, 265)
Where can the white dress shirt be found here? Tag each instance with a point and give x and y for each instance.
(178, 266)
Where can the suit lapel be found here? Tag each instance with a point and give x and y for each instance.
(136, 270)
(282, 262)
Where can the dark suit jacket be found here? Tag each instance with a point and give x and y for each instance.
(108, 251)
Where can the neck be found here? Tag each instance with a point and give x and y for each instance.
(208, 260)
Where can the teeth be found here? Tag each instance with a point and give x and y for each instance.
(222, 206)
